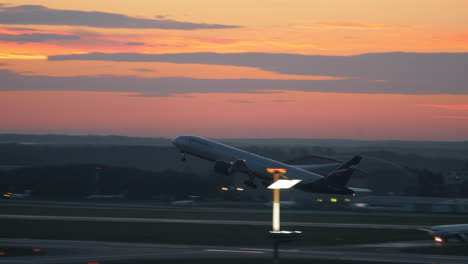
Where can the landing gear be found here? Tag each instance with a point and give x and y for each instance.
(183, 156)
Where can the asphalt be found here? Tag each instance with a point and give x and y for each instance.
(236, 207)
(202, 221)
(65, 251)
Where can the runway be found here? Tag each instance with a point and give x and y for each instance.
(206, 221)
(65, 251)
(158, 206)
(61, 251)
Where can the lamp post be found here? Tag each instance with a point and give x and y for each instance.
(276, 233)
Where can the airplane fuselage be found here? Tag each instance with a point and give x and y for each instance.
(443, 232)
(215, 151)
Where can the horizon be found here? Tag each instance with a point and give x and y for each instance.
(221, 138)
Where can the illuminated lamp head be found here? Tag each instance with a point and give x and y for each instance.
(276, 170)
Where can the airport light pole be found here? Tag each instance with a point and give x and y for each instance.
(276, 233)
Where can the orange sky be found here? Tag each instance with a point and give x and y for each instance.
(298, 114)
(331, 27)
(322, 27)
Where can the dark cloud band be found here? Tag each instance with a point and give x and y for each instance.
(172, 86)
(378, 72)
(36, 37)
(41, 15)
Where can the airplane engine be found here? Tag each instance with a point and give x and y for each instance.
(223, 167)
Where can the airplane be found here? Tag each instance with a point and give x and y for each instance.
(184, 203)
(105, 196)
(228, 160)
(18, 196)
(192, 201)
(442, 233)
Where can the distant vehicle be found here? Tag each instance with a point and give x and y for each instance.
(283, 204)
(189, 202)
(184, 203)
(18, 196)
(105, 196)
(442, 233)
(228, 160)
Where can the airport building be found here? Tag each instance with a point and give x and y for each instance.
(411, 204)
(453, 182)
(455, 177)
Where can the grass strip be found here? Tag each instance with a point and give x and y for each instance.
(243, 261)
(181, 213)
(19, 251)
(203, 234)
(454, 250)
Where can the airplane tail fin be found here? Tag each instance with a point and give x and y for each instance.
(340, 177)
(335, 182)
(354, 161)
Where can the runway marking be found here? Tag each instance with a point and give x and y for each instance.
(269, 249)
(100, 251)
(73, 258)
(199, 221)
(234, 251)
(331, 252)
(447, 257)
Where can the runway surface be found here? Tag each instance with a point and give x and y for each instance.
(204, 221)
(224, 208)
(65, 251)
(61, 251)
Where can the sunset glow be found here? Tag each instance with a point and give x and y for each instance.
(322, 69)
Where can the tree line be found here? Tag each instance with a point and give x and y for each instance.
(77, 181)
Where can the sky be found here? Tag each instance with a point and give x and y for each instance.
(352, 69)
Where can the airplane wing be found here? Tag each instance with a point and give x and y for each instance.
(359, 189)
(426, 230)
(318, 167)
(335, 166)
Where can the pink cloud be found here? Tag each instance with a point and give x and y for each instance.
(353, 25)
(452, 117)
(447, 107)
(211, 40)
